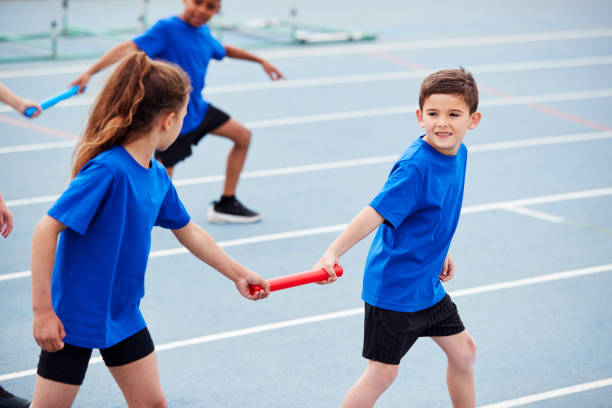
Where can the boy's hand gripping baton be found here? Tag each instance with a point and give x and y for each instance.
(297, 279)
(52, 101)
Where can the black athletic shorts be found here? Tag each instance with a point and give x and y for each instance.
(388, 335)
(69, 365)
(181, 148)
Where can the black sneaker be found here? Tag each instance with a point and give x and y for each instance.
(231, 212)
(8, 400)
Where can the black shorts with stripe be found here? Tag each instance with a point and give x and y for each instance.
(388, 334)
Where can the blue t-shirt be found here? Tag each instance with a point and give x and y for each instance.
(191, 48)
(421, 204)
(109, 210)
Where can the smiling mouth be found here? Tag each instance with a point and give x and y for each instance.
(443, 134)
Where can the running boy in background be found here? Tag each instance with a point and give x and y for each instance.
(417, 211)
(86, 291)
(186, 40)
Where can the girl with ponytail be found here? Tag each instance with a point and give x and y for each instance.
(86, 288)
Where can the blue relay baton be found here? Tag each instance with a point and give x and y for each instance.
(52, 101)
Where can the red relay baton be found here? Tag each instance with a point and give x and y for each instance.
(297, 279)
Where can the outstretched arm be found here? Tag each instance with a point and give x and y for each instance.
(360, 227)
(113, 55)
(48, 329)
(17, 102)
(239, 53)
(204, 247)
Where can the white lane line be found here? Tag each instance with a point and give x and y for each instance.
(45, 71)
(346, 313)
(14, 275)
(440, 43)
(503, 205)
(559, 392)
(34, 200)
(552, 97)
(256, 239)
(364, 48)
(574, 273)
(513, 144)
(536, 214)
(85, 100)
(259, 329)
(538, 200)
(18, 374)
(541, 141)
(326, 117)
(37, 146)
(367, 161)
(412, 74)
(410, 109)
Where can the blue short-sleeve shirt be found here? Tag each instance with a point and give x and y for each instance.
(109, 210)
(191, 48)
(421, 203)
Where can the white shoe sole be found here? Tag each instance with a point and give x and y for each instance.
(220, 218)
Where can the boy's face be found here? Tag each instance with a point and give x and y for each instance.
(198, 12)
(446, 119)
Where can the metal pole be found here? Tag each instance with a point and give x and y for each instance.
(54, 33)
(293, 12)
(142, 18)
(65, 28)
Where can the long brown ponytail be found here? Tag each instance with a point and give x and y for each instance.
(134, 95)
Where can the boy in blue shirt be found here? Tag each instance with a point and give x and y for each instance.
(417, 211)
(186, 41)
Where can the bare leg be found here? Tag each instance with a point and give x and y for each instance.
(376, 378)
(460, 351)
(241, 137)
(53, 394)
(139, 381)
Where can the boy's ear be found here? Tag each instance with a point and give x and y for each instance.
(419, 116)
(475, 120)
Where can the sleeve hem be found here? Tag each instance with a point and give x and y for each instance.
(68, 222)
(380, 209)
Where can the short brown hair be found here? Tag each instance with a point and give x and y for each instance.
(453, 82)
